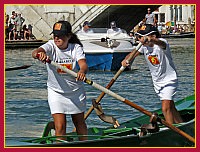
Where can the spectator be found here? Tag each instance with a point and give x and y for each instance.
(26, 33)
(11, 28)
(139, 25)
(150, 17)
(30, 30)
(86, 28)
(113, 28)
(6, 25)
(19, 20)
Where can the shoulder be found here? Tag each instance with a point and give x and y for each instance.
(48, 45)
(110, 29)
(51, 42)
(119, 29)
(74, 46)
(141, 50)
(164, 40)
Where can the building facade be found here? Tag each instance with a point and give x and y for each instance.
(180, 16)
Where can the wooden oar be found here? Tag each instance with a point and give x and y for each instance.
(18, 68)
(112, 81)
(126, 101)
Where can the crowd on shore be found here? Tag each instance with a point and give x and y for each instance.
(15, 29)
(163, 28)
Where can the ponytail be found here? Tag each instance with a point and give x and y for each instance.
(74, 39)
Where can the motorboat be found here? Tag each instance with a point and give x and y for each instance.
(105, 51)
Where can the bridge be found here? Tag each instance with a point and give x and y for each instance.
(42, 17)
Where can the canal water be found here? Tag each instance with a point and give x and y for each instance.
(26, 107)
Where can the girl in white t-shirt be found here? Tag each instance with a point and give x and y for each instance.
(158, 57)
(66, 94)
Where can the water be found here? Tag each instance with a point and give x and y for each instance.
(26, 107)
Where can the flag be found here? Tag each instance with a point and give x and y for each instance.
(169, 23)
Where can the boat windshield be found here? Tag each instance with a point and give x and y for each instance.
(104, 30)
(99, 33)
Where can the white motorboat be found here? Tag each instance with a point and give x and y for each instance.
(106, 51)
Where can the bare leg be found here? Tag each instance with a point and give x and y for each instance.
(60, 124)
(170, 113)
(176, 114)
(24, 35)
(15, 35)
(9, 35)
(79, 122)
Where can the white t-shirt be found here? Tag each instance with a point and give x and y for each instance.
(150, 18)
(83, 31)
(160, 64)
(114, 30)
(58, 80)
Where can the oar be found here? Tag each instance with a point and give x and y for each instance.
(112, 81)
(18, 68)
(126, 101)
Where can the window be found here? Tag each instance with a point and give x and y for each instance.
(180, 13)
(171, 13)
(162, 17)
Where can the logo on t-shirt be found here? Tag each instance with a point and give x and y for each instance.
(67, 63)
(153, 59)
(68, 66)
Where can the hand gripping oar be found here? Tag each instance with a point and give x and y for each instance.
(126, 101)
(112, 81)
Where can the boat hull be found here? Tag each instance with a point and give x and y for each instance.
(105, 61)
(165, 138)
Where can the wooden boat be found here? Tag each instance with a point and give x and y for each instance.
(129, 134)
(14, 71)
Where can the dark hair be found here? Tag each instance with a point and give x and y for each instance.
(157, 33)
(74, 39)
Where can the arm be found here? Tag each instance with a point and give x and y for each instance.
(23, 20)
(156, 41)
(83, 69)
(83, 66)
(154, 20)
